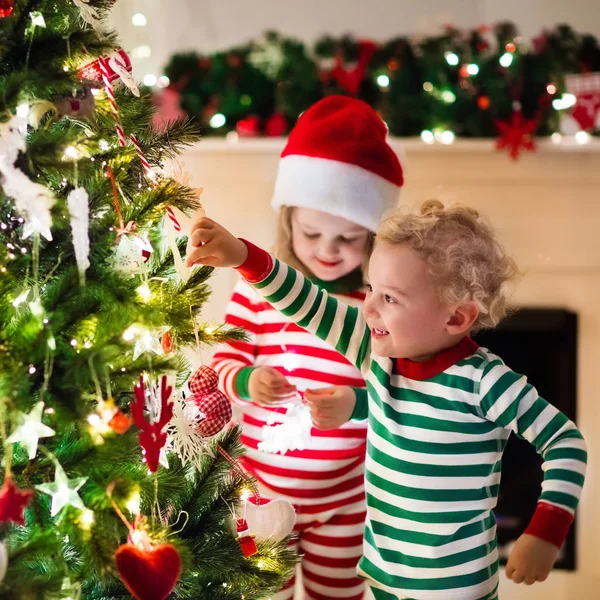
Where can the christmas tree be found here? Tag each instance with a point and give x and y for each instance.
(116, 483)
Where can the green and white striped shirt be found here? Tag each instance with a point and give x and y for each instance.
(435, 441)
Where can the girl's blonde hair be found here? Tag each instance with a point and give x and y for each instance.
(283, 248)
(466, 261)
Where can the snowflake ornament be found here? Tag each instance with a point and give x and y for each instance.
(289, 431)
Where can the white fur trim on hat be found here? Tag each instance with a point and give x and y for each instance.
(334, 187)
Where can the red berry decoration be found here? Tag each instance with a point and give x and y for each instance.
(204, 381)
(6, 8)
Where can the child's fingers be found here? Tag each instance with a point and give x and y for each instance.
(202, 235)
(202, 223)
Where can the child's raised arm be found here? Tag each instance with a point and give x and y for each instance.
(287, 290)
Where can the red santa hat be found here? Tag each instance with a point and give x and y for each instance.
(337, 160)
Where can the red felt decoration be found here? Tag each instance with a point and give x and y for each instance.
(276, 125)
(13, 502)
(149, 573)
(152, 437)
(516, 134)
(351, 79)
(586, 88)
(248, 127)
(6, 8)
(204, 381)
(245, 538)
(216, 409)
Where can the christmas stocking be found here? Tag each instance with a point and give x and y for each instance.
(586, 88)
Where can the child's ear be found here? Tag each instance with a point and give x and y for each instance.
(462, 318)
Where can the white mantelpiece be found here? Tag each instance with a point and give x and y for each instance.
(546, 206)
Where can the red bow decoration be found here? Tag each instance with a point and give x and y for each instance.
(351, 80)
(152, 437)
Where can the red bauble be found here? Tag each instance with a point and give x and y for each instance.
(248, 127)
(120, 422)
(204, 381)
(276, 125)
(516, 134)
(149, 574)
(13, 502)
(6, 8)
(483, 102)
(217, 412)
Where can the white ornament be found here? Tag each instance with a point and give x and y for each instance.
(128, 259)
(32, 200)
(30, 430)
(90, 15)
(116, 63)
(147, 342)
(182, 431)
(3, 561)
(63, 491)
(274, 520)
(79, 211)
(289, 431)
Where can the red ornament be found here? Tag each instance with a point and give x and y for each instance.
(234, 61)
(152, 437)
(204, 381)
(149, 573)
(464, 71)
(245, 538)
(93, 72)
(276, 125)
(167, 343)
(393, 64)
(483, 102)
(216, 409)
(248, 127)
(516, 134)
(351, 80)
(6, 8)
(120, 422)
(13, 502)
(510, 47)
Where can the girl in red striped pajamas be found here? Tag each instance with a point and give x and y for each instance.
(337, 176)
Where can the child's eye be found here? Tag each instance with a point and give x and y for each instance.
(344, 240)
(390, 300)
(311, 236)
(369, 287)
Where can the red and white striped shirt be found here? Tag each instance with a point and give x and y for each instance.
(330, 470)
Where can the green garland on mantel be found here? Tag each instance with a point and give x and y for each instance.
(459, 83)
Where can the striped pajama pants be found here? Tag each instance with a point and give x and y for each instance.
(330, 540)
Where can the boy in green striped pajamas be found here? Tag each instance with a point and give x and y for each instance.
(440, 408)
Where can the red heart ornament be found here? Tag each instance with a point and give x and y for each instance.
(149, 574)
(216, 409)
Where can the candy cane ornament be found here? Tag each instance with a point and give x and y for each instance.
(151, 175)
(113, 103)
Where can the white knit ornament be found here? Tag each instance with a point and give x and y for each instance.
(289, 431)
(79, 211)
(274, 520)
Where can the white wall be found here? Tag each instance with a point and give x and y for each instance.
(207, 25)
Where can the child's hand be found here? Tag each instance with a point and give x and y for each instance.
(531, 560)
(214, 246)
(331, 407)
(268, 387)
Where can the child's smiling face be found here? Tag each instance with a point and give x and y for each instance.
(406, 316)
(329, 246)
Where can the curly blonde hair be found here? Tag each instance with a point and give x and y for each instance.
(283, 248)
(466, 261)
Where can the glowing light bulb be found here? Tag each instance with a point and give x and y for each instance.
(217, 120)
(452, 58)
